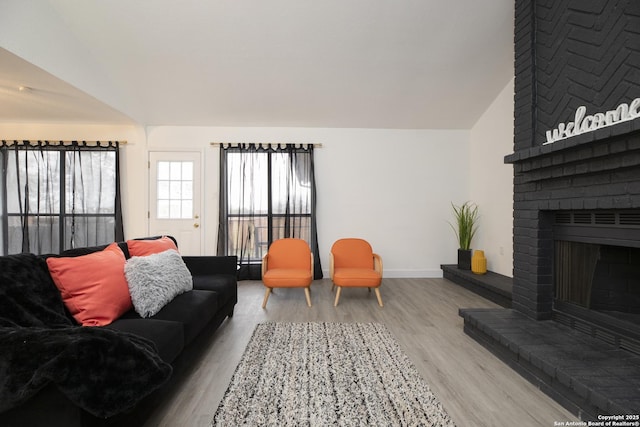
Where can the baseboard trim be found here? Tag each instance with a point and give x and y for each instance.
(405, 274)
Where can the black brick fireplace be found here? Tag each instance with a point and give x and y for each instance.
(581, 190)
(573, 328)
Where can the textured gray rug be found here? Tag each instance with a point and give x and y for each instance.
(318, 374)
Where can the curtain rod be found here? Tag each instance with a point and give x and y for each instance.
(35, 142)
(236, 144)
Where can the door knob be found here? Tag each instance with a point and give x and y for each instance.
(196, 225)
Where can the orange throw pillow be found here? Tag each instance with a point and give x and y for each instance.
(93, 286)
(150, 247)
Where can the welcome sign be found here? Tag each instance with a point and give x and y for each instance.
(584, 123)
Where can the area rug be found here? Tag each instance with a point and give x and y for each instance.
(319, 374)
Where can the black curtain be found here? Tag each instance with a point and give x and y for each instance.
(59, 195)
(267, 192)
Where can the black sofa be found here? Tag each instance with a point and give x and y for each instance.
(55, 372)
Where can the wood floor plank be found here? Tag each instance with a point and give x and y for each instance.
(475, 387)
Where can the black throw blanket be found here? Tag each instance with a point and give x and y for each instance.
(103, 371)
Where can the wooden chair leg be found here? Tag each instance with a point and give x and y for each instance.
(333, 286)
(379, 297)
(266, 297)
(306, 293)
(335, 303)
(369, 290)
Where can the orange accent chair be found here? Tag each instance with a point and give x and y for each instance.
(287, 264)
(353, 264)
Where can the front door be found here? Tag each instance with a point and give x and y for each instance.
(175, 206)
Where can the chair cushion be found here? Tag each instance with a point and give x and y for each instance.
(167, 336)
(360, 277)
(193, 309)
(287, 278)
(223, 284)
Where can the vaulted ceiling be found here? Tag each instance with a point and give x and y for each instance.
(412, 64)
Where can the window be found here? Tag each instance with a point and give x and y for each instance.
(175, 190)
(59, 196)
(267, 194)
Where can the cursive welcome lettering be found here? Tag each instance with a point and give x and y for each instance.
(583, 123)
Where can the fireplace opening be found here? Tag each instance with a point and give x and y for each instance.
(599, 277)
(596, 276)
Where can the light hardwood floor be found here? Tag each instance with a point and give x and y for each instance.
(475, 387)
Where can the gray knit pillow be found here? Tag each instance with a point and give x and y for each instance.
(155, 280)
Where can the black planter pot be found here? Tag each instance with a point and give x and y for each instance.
(464, 259)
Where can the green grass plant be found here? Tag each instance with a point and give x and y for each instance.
(466, 223)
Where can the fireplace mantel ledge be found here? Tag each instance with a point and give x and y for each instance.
(573, 142)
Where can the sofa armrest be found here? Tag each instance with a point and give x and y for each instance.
(207, 265)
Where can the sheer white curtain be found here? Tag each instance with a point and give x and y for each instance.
(57, 196)
(267, 193)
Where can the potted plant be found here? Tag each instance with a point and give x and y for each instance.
(465, 227)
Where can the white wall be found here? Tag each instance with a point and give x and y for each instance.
(391, 187)
(491, 181)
